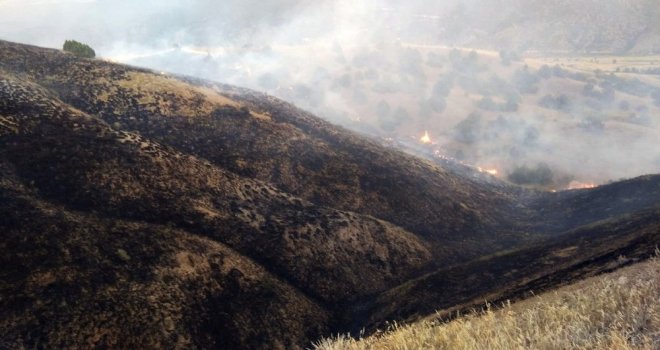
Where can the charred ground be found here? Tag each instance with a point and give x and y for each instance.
(208, 215)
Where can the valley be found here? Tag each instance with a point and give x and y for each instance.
(531, 119)
(142, 208)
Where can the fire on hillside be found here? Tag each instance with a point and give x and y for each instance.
(576, 185)
(492, 171)
(425, 138)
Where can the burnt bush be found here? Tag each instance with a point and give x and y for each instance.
(540, 175)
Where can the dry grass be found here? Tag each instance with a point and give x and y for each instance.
(605, 63)
(620, 310)
(203, 99)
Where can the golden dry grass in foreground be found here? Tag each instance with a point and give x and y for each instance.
(620, 310)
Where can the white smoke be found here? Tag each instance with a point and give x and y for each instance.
(350, 61)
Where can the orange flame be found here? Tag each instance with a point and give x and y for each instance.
(426, 138)
(576, 185)
(493, 172)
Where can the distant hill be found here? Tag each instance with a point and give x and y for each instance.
(143, 210)
(581, 26)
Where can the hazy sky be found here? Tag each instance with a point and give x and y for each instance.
(105, 23)
(102, 23)
(590, 24)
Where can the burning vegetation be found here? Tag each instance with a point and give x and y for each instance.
(576, 185)
(426, 139)
(493, 172)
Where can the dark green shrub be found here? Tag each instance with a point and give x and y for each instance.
(79, 49)
(559, 103)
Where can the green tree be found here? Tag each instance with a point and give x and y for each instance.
(79, 49)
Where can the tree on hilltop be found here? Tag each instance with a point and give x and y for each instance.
(79, 49)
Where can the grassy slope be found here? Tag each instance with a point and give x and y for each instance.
(619, 310)
(92, 215)
(583, 252)
(72, 279)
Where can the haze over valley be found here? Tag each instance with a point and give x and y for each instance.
(529, 88)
